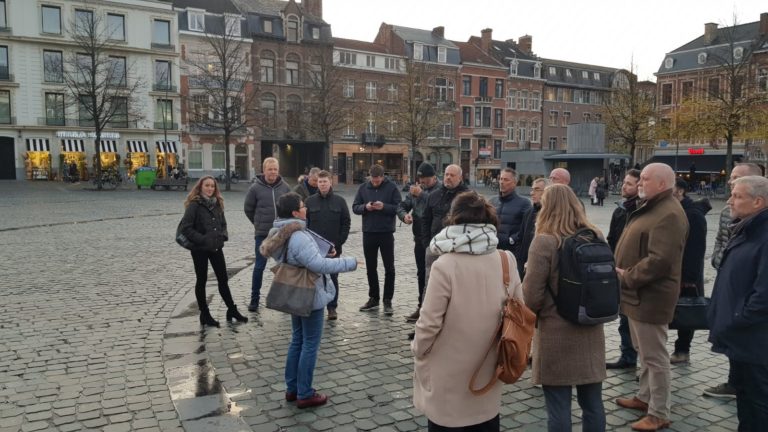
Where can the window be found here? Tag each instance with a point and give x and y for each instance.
(195, 156)
(478, 116)
(535, 101)
(83, 66)
(370, 90)
(669, 62)
(349, 88)
(161, 32)
(498, 118)
(738, 53)
(534, 131)
(443, 89)
(513, 67)
(466, 144)
(466, 85)
(370, 124)
(560, 95)
(762, 80)
(687, 91)
(116, 26)
(550, 94)
(441, 54)
(164, 114)
(499, 93)
(512, 99)
(598, 117)
(568, 73)
(54, 109)
(552, 71)
(267, 67)
(392, 92)
(346, 57)
(596, 76)
(585, 74)
(370, 61)
(553, 118)
(5, 107)
(522, 102)
(117, 71)
(120, 110)
(218, 156)
(315, 32)
(523, 131)
(232, 24)
(578, 96)
(497, 149)
(738, 86)
(51, 19)
(595, 98)
(390, 63)
(292, 72)
(4, 68)
(293, 113)
(269, 109)
(511, 131)
(702, 58)
(266, 24)
(566, 118)
(483, 87)
(196, 20)
(53, 66)
(292, 31)
(162, 75)
(713, 88)
(552, 143)
(466, 116)
(486, 117)
(200, 108)
(3, 19)
(349, 129)
(587, 117)
(537, 70)
(418, 51)
(565, 142)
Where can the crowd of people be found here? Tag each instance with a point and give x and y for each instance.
(657, 234)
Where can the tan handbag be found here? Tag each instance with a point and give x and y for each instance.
(512, 338)
(293, 289)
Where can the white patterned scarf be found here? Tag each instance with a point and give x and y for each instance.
(475, 239)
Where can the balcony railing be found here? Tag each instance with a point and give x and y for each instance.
(373, 139)
(483, 99)
(7, 120)
(5, 74)
(165, 47)
(4, 29)
(86, 123)
(166, 125)
(163, 87)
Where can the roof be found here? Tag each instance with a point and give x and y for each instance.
(359, 45)
(576, 77)
(420, 35)
(217, 6)
(268, 7)
(507, 49)
(471, 53)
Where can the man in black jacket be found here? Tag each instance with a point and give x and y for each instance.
(628, 359)
(411, 211)
(377, 201)
(328, 215)
(528, 228)
(510, 208)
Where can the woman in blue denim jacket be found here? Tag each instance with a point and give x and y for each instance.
(289, 231)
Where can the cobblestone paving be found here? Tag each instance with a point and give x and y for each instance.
(98, 330)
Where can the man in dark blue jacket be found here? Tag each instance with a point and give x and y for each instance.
(377, 201)
(510, 209)
(738, 315)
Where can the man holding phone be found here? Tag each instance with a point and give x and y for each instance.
(376, 201)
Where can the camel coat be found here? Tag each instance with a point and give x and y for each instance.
(461, 310)
(564, 354)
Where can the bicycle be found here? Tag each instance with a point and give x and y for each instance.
(234, 178)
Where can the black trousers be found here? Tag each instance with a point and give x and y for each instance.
(751, 384)
(372, 244)
(491, 425)
(201, 259)
(418, 252)
(335, 279)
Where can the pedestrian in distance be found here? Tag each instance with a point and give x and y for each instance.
(205, 226)
(260, 208)
(463, 300)
(290, 241)
(593, 191)
(566, 355)
(510, 208)
(601, 191)
(376, 201)
(328, 216)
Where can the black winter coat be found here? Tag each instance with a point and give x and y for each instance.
(438, 204)
(510, 210)
(619, 220)
(416, 206)
(329, 216)
(205, 227)
(696, 244)
(527, 232)
(377, 221)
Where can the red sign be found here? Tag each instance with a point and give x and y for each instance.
(696, 151)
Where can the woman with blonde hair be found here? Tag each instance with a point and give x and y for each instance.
(565, 354)
(205, 226)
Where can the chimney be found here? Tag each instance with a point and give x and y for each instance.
(764, 23)
(710, 32)
(526, 44)
(313, 7)
(439, 31)
(485, 40)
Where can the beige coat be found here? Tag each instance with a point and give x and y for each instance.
(563, 353)
(461, 310)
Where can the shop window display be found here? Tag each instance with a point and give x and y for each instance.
(134, 161)
(37, 165)
(73, 166)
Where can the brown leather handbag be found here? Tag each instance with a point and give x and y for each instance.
(512, 338)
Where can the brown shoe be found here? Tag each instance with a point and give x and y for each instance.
(650, 423)
(634, 403)
(679, 358)
(332, 316)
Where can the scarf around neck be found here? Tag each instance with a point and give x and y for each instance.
(475, 239)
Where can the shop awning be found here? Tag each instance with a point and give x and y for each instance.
(166, 147)
(72, 145)
(108, 146)
(137, 146)
(38, 144)
(704, 163)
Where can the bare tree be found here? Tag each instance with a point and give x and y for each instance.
(223, 96)
(629, 113)
(104, 86)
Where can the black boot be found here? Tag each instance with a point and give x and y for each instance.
(232, 313)
(206, 319)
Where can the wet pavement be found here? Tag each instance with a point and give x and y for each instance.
(99, 330)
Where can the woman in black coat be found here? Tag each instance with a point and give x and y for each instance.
(205, 226)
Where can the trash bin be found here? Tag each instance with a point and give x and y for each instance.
(145, 176)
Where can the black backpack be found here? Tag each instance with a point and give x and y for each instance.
(588, 292)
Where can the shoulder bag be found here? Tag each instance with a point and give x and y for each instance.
(293, 288)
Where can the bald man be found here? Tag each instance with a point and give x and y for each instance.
(560, 176)
(649, 262)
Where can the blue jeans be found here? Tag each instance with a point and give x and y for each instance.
(558, 401)
(628, 352)
(258, 272)
(302, 353)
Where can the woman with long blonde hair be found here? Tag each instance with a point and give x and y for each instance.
(565, 354)
(205, 226)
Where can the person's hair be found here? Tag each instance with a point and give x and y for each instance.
(546, 181)
(269, 161)
(757, 186)
(313, 171)
(511, 171)
(376, 170)
(196, 192)
(323, 174)
(681, 184)
(561, 214)
(634, 173)
(469, 207)
(460, 173)
(287, 204)
(752, 168)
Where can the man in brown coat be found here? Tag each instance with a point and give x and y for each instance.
(649, 261)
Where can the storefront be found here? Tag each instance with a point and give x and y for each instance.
(167, 157)
(72, 160)
(138, 156)
(37, 159)
(110, 159)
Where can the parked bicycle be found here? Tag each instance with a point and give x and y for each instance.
(233, 177)
(110, 179)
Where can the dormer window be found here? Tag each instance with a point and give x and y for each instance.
(669, 62)
(513, 67)
(441, 54)
(537, 70)
(585, 74)
(418, 51)
(738, 53)
(596, 76)
(292, 29)
(568, 73)
(196, 20)
(232, 24)
(267, 26)
(315, 33)
(702, 58)
(552, 71)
